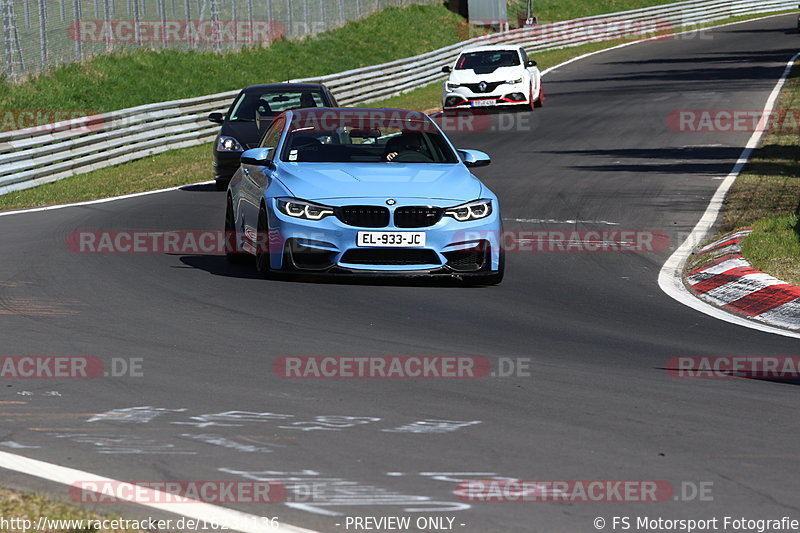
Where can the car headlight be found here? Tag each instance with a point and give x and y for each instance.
(301, 209)
(514, 82)
(228, 144)
(470, 211)
(451, 86)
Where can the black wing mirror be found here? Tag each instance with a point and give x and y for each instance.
(530, 63)
(217, 118)
(447, 70)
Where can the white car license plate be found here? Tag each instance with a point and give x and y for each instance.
(482, 103)
(391, 239)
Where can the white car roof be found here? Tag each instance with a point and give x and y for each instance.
(491, 47)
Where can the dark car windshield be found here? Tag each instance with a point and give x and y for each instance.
(335, 137)
(270, 103)
(488, 60)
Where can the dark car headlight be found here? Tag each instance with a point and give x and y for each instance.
(470, 211)
(301, 209)
(228, 144)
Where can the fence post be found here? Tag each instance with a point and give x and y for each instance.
(250, 19)
(107, 19)
(76, 15)
(137, 36)
(162, 14)
(290, 16)
(215, 26)
(8, 38)
(43, 33)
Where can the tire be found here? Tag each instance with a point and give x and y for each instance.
(539, 101)
(262, 244)
(232, 254)
(221, 185)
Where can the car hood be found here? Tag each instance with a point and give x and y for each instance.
(247, 133)
(472, 76)
(320, 181)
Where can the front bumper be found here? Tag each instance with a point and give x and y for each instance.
(330, 246)
(226, 164)
(504, 95)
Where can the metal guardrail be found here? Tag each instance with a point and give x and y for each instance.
(45, 154)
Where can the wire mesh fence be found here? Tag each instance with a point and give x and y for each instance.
(40, 34)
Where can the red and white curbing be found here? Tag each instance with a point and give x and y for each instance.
(730, 282)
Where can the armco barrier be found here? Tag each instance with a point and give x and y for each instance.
(40, 155)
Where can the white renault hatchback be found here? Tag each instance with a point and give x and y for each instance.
(489, 76)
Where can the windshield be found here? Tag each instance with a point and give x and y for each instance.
(365, 138)
(488, 60)
(270, 103)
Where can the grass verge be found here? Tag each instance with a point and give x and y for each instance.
(766, 195)
(32, 506)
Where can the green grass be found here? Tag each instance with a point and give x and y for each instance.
(550, 10)
(32, 506)
(766, 196)
(110, 82)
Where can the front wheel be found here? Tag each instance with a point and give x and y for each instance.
(539, 102)
(262, 244)
(232, 252)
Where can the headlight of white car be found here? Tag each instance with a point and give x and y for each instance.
(228, 144)
(451, 85)
(514, 82)
(470, 211)
(301, 209)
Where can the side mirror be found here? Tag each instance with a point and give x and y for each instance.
(530, 63)
(474, 158)
(217, 118)
(258, 156)
(447, 70)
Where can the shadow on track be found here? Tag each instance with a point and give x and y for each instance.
(217, 265)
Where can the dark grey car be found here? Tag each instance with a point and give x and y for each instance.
(250, 115)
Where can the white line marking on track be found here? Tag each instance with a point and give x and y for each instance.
(211, 514)
(101, 200)
(554, 221)
(670, 276)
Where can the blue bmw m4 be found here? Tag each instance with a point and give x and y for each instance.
(367, 192)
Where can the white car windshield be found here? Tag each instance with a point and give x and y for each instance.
(487, 60)
(357, 137)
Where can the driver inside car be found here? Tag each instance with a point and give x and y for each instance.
(405, 142)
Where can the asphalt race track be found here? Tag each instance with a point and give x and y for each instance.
(595, 328)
